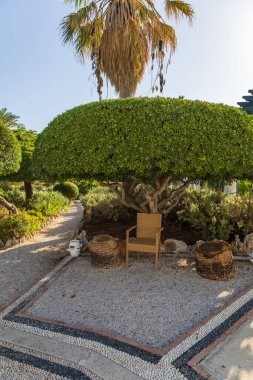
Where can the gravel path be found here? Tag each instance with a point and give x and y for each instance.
(26, 263)
(148, 307)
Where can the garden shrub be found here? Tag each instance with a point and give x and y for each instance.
(48, 203)
(244, 187)
(18, 225)
(101, 204)
(85, 186)
(216, 215)
(68, 189)
(16, 197)
(204, 211)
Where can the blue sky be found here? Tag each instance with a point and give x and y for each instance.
(41, 78)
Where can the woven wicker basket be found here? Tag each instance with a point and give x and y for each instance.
(214, 260)
(104, 252)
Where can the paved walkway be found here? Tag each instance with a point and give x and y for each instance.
(232, 359)
(26, 263)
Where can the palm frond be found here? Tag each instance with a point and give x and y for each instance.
(77, 3)
(8, 118)
(179, 9)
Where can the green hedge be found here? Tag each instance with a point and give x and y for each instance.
(68, 189)
(143, 137)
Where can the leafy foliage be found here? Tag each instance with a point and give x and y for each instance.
(16, 197)
(27, 140)
(146, 138)
(85, 186)
(10, 154)
(217, 215)
(101, 204)
(48, 203)
(8, 118)
(18, 225)
(68, 189)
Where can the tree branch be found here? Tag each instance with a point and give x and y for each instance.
(180, 190)
(9, 206)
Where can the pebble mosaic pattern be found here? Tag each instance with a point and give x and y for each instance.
(149, 366)
(17, 363)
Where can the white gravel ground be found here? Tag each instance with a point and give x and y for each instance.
(137, 303)
(24, 264)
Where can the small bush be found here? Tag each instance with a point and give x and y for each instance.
(217, 215)
(18, 225)
(68, 189)
(204, 210)
(48, 203)
(101, 204)
(16, 197)
(85, 186)
(245, 187)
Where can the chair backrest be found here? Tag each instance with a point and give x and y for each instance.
(148, 225)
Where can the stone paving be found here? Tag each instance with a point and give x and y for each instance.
(34, 348)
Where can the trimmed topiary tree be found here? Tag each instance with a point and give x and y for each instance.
(26, 140)
(10, 157)
(68, 189)
(148, 149)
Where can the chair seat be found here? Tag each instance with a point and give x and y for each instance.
(142, 245)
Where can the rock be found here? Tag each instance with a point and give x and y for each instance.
(199, 243)
(238, 248)
(82, 237)
(1, 244)
(191, 248)
(14, 241)
(248, 243)
(8, 244)
(174, 246)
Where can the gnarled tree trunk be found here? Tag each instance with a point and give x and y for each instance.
(160, 198)
(9, 206)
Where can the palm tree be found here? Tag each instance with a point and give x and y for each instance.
(8, 118)
(121, 35)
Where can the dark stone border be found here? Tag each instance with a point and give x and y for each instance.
(43, 364)
(181, 363)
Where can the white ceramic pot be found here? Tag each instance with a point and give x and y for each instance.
(74, 248)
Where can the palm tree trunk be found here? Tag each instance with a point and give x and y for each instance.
(125, 93)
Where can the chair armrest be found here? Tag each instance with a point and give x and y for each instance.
(127, 232)
(158, 235)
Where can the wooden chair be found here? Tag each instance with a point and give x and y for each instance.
(148, 236)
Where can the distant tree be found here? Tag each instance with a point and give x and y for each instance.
(10, 158)
(120, 36)
(8, 118)
(27, 140)
(147, 149)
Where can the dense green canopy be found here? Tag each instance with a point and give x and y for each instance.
(10, 153)
(146, 137)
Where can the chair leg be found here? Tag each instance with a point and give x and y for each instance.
(127, 257)
(156, 261)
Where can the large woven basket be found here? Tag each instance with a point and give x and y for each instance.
(214, 260)
(105, 252)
